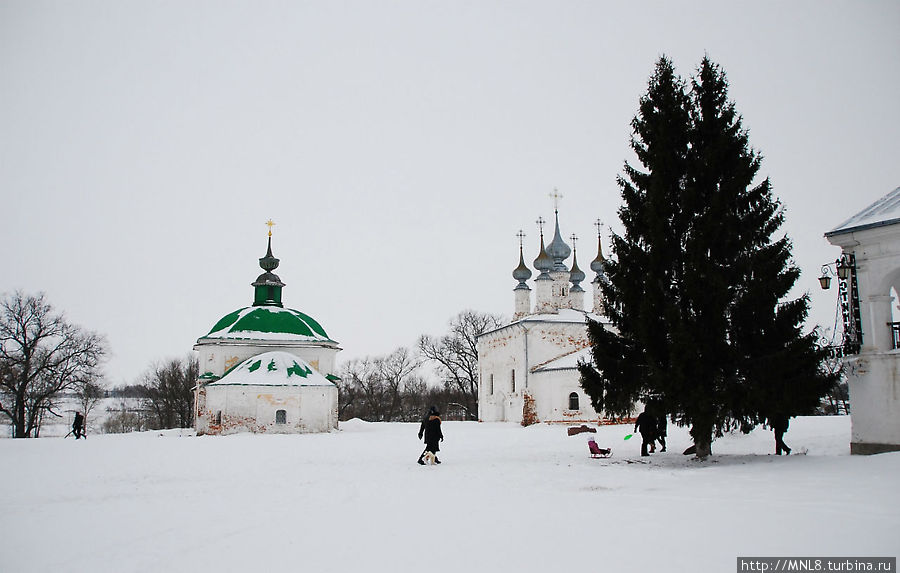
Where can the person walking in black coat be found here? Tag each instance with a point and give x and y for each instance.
(78, 425)
(661, 426)
(430, 429)
(779, 424)
(646, 423)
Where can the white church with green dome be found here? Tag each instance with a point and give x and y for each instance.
(266, 368)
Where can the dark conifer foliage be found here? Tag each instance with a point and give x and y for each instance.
(699, 278)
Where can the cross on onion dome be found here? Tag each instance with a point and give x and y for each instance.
(556, 196)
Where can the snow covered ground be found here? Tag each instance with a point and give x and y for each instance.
(506, 498)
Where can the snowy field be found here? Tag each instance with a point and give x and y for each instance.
(506, 498)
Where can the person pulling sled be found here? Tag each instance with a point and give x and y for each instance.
(430, 430)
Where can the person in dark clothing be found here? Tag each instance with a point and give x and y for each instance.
(78, 425)
(779, 424)
(646, 423)
(430, 429)
(661, 424)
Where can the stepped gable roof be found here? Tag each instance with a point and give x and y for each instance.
(275, 368)
(268, 323)
(885, 211)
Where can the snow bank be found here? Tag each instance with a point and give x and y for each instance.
(506, 498)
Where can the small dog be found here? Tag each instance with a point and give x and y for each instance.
(429, 458)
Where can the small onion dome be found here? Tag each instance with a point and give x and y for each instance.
(558, 250)
(521, 273)
(599, 264)
(576, 275)
(269, 262)
(543, 263)
(267, 286)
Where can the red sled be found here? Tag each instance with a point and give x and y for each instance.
(597, 451)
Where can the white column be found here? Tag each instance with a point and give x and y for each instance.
(543, 296)
(598, 298)
(522, 303)
(876, 332)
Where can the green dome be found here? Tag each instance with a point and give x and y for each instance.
(268, 323)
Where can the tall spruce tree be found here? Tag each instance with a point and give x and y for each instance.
(697, 285)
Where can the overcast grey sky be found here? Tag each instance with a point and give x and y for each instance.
(399, 146)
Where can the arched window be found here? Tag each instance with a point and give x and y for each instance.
(281, 416)
(573, 401)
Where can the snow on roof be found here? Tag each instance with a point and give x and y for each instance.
(268, 323)
(564, 316)
(885, 211)
(276, 368)
(568, 361)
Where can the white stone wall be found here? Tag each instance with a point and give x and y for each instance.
(253, 409)
(560, 290)
(873, 374)
(576, 300)
(551, 392)
(543, 296)
(217, 357)
(522, 306)
(503, 352)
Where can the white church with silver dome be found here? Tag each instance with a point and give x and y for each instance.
(528, 368)
(266, 368)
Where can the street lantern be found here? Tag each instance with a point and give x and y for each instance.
(843, 269)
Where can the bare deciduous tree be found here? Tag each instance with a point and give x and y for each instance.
(41, 356)
(456, 355)
(88, 394)
(168, 392)
(373, 388)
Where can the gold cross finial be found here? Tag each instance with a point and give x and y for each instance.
(270, 224)
(540, 223)
(599, 225)
(573, 238)
(521, 236)
(556, 196)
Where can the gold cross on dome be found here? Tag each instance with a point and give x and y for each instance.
(573, 238)
(270, 224)
(599, 225)
(540, 223)
(556, 196)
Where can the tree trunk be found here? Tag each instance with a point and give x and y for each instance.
(19, 420)
(702, 434)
